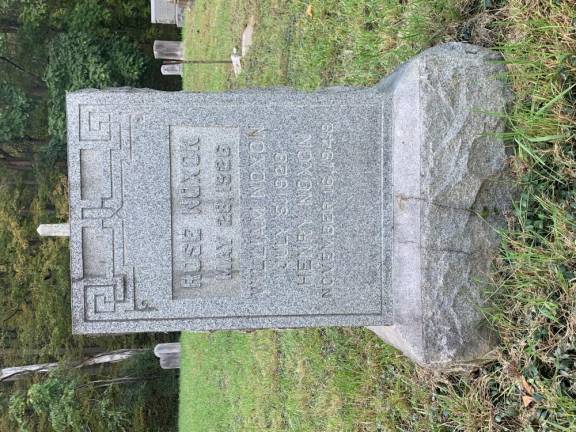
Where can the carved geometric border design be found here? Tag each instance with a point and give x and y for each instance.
(107, 132)
(105, 298)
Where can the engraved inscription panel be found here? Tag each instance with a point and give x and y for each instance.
(311, 224)
(205, 211)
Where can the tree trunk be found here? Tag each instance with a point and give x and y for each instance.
(19, 353)
(39, 91)
(9, 25)
(18, 164)
(15, 163)
(20, 372)
(13, 63)
(16, 182)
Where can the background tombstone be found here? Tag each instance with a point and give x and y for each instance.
(172, 69)
(168, 50)
(168, 12)
(236, 62)
(274, 208)
(169, 355)
(54, 230)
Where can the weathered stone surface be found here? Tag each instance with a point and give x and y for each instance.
(274, 208)
(448, 170)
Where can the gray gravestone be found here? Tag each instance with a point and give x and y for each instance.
(168, 50)
(169, 355)
(168, 11)
(172, 69)
(274, 208)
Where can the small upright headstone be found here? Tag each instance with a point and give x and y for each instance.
(247, 36)
(168, 50)
(236, 62)
(172, 69)
(54, 230)
(167, 12)
(275, 208)
(169, 355)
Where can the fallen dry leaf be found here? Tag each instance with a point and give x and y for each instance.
(309, 11)
(527, 387)
(527, 400)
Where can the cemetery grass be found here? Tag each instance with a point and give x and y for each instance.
(346, 379)
(300, 380)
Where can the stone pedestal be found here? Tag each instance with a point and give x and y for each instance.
(450, 195)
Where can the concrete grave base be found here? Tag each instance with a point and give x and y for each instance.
(448, 169)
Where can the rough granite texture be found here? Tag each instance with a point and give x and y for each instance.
(448, 169)
(264, 208)
(274, 208)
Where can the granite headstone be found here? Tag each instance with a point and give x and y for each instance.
(276, 208)
(168, 12)
(168, 50)
(172, 69)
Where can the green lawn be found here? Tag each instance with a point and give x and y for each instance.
(346, 379)
(298, 380)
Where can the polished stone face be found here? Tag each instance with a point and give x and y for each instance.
(240, 210)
